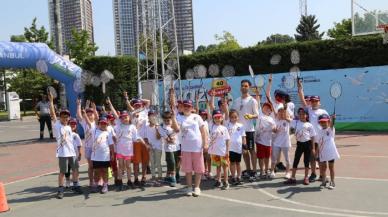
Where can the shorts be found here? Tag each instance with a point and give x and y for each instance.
(234, 157)
(330, 161)
(263, 151)
(219, 160)
(276, 152)
(120, 156)
(193, 161)
(88, 153)
(141, 154)
(101, 164)
(64, 162)
(250, 141)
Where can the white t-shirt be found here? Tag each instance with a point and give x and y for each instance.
(140, 121)
(304, 131)
(191, 137)
(236, 133)
(246, 106)
(64, 137)
(88, 133)
(290, 108)
(313, 117)
(327, 149)
(282, 136)
(165, 132)
(218, 136)
(126, 134)
(102, 141)
(150, 134)
(76, 142)
(264, 126)
(178, 118)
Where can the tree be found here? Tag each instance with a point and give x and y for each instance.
(201, 48)
(308, 29)
(34, 34)
(226, 41)
(277, 39)
(80, 46)
(18, 38)
(341, 30)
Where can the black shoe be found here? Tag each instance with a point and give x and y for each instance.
(119, 185)
(312, 177)
(77, 190)
(233, 181)
(60, 194)
(142, 183)
(280, 167)
(130, 184)
(217, 184)
(238, 181)
(136, 183)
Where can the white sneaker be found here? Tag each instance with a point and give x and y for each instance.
(188, 191)
(197, 192)
(272, 175)
(288, 176)
(331, 186)
(67, 184)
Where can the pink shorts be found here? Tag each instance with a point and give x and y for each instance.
(193, 161)
(120, 156)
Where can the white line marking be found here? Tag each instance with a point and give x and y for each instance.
(320, 207)
(355, 178)
(278, 207)
(364, 156)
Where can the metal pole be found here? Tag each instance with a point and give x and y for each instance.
(138, 50)
(162, 53)
(352, 16)
(177, 50)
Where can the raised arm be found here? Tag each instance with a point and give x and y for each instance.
(52, 109)
(146, 102)
(211, 104)
(174, 124)
(86, 118)
(95, 112)
(301, 92)
(129, 107)
(112, 109)
(268, 90)
(79, 114)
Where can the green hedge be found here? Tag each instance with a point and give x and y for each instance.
(314, 55)
(124, 70)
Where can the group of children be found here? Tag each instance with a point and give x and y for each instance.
(195, 139)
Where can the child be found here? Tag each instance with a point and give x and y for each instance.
(102, 153)
(77, 147)
(219, 145)
(65, 148)
(168, 131)
(204, 115)
(126, 134)
(314, 112)
(92, 115)
(153, 139)
(263, 137)
(327, 149)
(281, 141)
(304, 133)
(237, 141)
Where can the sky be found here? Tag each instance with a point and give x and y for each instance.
(250, 21)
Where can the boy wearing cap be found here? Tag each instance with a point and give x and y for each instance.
(65, 153)
(77, 147)
(247, 108)
(314, 111)
(328, 152)
(193, 143)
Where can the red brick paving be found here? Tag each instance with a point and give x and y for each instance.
(363, 156)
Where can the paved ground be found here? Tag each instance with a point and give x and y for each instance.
(17, 131)
(362, 178)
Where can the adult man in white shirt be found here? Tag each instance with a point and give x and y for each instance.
(247, 108)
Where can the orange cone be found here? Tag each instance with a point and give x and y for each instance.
(3, 199)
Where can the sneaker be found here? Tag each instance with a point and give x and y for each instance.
(233, 181)
(238, 181)
(290, 181)
(288, 176)
(258, 175)
(217, 184)
(323, 185)
(331, 186)
(188, 191)
(94, 189)
(280, 167)
(104, 189)
(197, 192)
(252, 178)
(173, 182)
(312, 177)
(67, 183)
(244, 174)
(143, 182)
(225, 186)
(130, 184)
(60, 193)
(77, 189)
(272, 175)
(306, 181)
(136, 183)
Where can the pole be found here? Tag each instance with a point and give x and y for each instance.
(352, 16)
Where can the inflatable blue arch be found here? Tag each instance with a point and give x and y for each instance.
(15, 55)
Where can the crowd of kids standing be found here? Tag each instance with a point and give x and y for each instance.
(193, 140)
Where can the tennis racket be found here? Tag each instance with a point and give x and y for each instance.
(335, 92)
(52, 91)
(275, 59)
(214, 70)
(295, 57)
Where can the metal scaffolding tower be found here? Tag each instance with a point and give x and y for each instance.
(303, 7)
(157, 44)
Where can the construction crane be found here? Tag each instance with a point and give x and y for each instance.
(303, 7)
